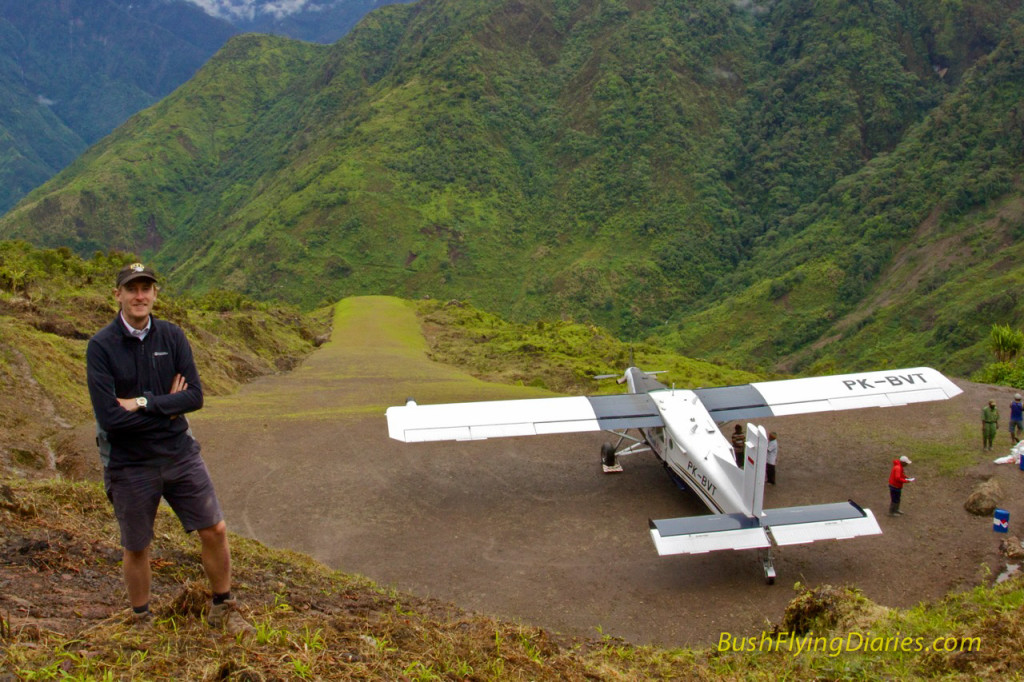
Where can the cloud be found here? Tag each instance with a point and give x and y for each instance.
(227, 9)
(753, 6)
(248, 10)
(282, 8)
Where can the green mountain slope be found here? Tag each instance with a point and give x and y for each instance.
(33, 142)
(743, 175)
(72, 71)
(406, 159)
(914, 256)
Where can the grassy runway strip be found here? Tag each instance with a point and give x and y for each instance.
(376, 357)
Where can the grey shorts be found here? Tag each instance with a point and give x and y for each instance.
(135, 493)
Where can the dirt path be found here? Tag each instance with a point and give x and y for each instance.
(530, 528)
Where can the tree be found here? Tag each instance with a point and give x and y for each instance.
(1006, 343)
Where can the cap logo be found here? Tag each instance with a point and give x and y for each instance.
(132, 272)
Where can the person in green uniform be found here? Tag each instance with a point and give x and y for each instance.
(989, 424)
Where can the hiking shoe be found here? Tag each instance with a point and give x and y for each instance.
(225, 616)
(140, 621)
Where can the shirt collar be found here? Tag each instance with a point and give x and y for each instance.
(140, 334)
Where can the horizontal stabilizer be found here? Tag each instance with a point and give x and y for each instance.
(788, 526)
(502, 418)
(700, 534)
(838, 521)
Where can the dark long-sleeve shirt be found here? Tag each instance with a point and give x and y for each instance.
(121, 366)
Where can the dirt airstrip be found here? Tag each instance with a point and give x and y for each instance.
(530, 528)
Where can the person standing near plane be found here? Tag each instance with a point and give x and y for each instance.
(897, 477)
(739, 444)
(989, 424)
(771, 458)
(1016, 419)
(142, 381)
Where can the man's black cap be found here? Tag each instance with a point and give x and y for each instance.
(133, 272)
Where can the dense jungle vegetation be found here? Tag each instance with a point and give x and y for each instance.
(782, 186)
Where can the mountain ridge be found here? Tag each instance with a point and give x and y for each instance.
(724, 175)
(73, 70)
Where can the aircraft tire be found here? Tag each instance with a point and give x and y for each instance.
(608, 454)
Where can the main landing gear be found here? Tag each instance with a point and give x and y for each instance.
(610, 453)
(609, 462)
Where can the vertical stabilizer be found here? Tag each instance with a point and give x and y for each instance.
(756, 455)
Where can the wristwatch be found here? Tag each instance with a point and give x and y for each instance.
(141, 402)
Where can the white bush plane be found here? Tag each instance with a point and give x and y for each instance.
(681, 428)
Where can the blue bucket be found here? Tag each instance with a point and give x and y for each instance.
(1001, 521)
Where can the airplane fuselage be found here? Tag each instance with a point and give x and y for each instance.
(691, 446)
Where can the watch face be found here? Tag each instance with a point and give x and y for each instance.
(141, 402)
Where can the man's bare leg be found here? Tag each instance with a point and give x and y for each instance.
(137, 576)
(217, 562)
(216, 557)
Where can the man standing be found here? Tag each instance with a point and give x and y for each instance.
(1016, 419)
(771, 458)
(739, 444)
(142, 381)
(897, 477)
(989, 424)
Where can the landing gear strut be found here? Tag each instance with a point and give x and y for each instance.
(610, 453)
(768, 563)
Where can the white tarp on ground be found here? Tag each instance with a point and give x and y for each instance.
(1014, 457)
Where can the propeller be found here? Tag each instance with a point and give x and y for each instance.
(621, 378)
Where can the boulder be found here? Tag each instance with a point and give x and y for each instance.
(1012, 549)
(985, 497)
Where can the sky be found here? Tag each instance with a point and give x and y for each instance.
(234, 10)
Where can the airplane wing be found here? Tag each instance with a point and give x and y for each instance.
(825, 394)
(787, 526)
(414, 423)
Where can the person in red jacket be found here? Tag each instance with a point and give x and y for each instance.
(897, 477)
